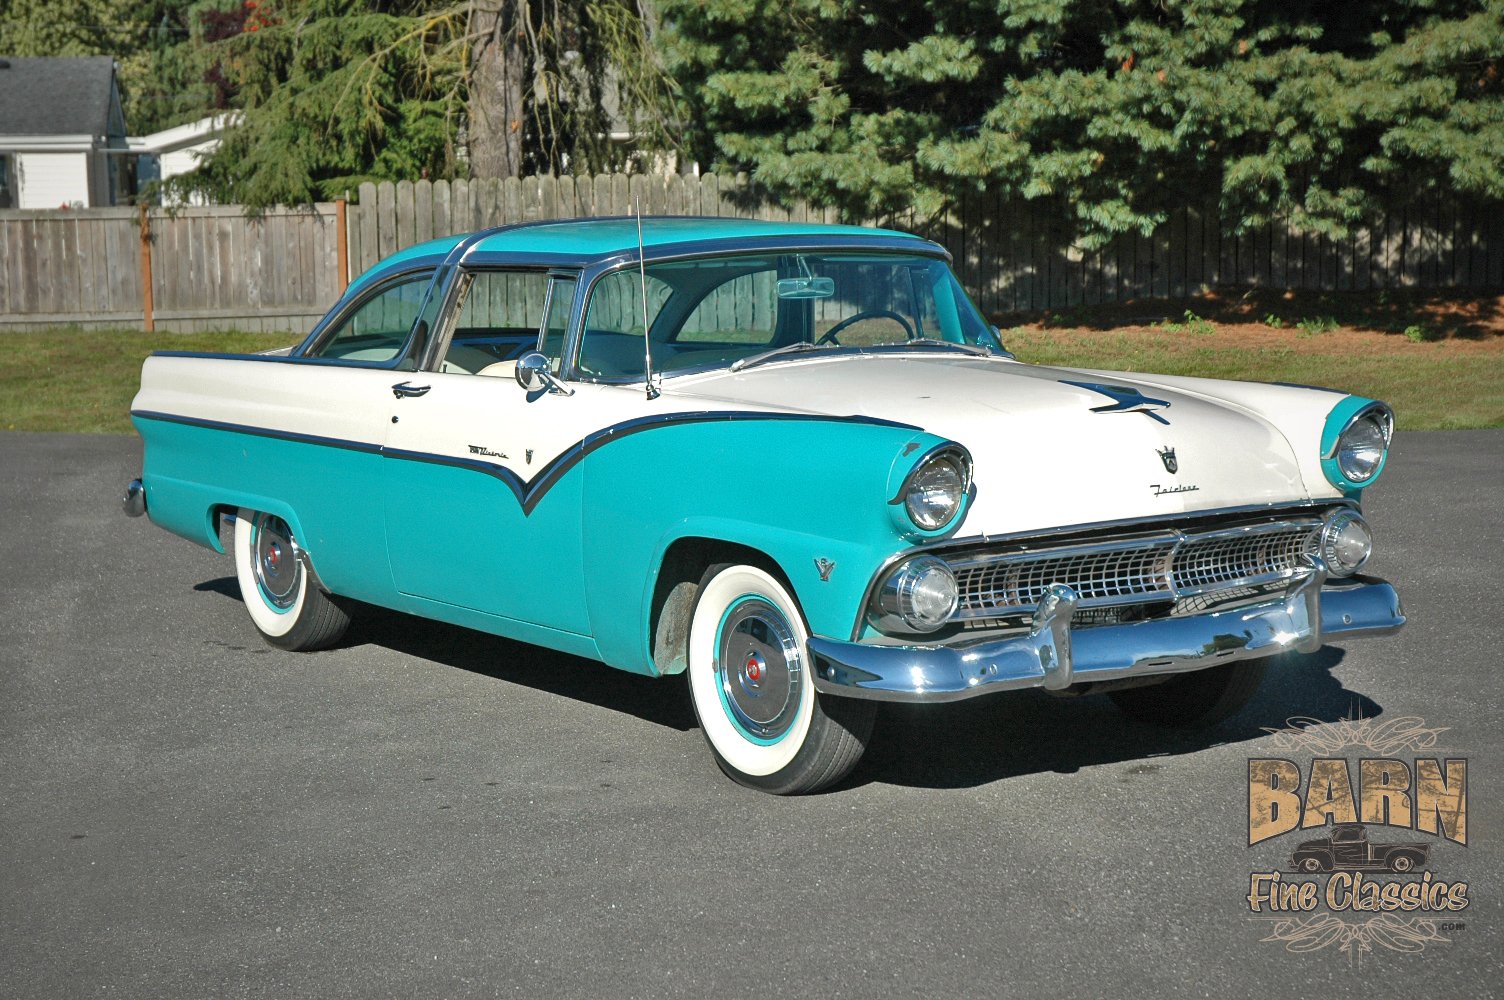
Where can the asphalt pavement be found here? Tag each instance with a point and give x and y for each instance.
(432, 812)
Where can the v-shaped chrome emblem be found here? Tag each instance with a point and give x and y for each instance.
(1125, 399)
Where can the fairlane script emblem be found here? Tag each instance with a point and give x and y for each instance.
(1125, 399)
(476, 449)
(823, 566)
(1167, 456)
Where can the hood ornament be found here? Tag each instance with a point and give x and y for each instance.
(1125, 399)
(1167, 456)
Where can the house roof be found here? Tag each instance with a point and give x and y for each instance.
(56, 96)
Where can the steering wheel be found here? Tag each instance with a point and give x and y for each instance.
(830, 335)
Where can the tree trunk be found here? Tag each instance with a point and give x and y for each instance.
(499, 67)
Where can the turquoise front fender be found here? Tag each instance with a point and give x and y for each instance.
(798, 491)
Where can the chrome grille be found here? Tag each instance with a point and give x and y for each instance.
(1166, 566)
(1209, 561)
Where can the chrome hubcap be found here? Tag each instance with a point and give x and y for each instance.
(277, 570)
(759, 669)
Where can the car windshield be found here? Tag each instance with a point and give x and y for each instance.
(747, 309)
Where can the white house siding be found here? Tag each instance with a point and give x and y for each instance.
(180, 161)
(51, 180)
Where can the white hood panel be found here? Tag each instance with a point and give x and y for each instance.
(1043, 458)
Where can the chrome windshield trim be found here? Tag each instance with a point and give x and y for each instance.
(608, 264)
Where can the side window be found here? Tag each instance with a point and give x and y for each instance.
(500, 314)
(560, 300)
(378, 328)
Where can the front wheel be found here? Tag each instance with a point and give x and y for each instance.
(287, 609)
(754, 693)
(1195, 700)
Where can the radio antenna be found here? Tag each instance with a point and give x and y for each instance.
(642, 278)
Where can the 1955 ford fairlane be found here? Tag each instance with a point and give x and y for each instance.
(792, 462)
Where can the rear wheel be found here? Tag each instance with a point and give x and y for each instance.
(286, 607)
(753, 690)
(1195, 700)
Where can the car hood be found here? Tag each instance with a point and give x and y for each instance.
(1043, 457)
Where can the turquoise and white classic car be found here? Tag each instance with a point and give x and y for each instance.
(790, 462)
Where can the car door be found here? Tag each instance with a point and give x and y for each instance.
(478, 514)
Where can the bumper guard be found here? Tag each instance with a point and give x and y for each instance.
(1054, 656)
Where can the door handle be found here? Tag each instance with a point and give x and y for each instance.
(408, 389)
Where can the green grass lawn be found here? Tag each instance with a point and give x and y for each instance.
(1444, 385)
(83, 381)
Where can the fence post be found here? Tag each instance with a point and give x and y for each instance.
(146, 304)
(342, 243)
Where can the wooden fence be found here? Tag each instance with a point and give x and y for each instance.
(210, 268)
(214, 267)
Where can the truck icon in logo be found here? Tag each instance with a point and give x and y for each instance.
(1348, 849)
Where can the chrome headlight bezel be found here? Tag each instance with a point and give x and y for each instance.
(901, 605)
(1349, 460)
(944, 473)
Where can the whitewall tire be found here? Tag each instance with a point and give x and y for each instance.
(286, 607)
(753, 690)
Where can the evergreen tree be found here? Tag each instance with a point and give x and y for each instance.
(330, 93)
(335, 92)
(1115, 111)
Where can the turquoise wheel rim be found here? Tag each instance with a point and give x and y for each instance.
(759, 669)
(274, 563)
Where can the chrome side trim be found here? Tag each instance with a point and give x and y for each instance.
(1052, 655)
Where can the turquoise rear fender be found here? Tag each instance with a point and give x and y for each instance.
(796, 490)
(324, 494)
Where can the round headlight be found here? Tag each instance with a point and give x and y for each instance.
(934, 491)
(919, 595)
(1346, 543)
(1361, 447)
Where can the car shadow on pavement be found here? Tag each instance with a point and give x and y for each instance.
(663, 701)
(961, 745)
(974, 743)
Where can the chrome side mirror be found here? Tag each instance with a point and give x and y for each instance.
(533, 374)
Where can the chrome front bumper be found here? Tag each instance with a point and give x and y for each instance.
(1054, 656)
